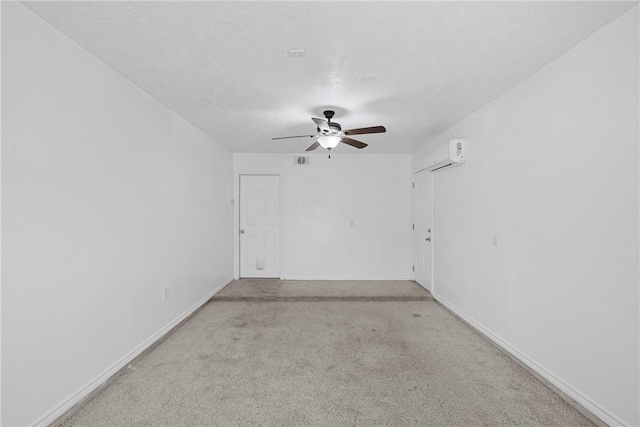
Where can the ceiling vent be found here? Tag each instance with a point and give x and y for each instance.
(301, 160)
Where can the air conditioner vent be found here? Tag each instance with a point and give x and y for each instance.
(301, 160)
(445, 156)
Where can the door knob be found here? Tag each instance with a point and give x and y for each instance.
(241, 231)
(428, 239)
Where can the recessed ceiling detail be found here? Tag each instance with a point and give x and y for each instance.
(434, 62)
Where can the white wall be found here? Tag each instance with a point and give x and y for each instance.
(108, 197)
(552, 169)
(318, 203)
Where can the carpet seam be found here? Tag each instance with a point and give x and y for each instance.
(319, 299)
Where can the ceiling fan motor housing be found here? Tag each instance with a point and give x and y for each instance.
(335, 128)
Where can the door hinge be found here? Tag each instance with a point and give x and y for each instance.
(413, 268)
(413, 185)
(413, 226)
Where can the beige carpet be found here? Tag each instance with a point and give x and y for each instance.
(326, 363)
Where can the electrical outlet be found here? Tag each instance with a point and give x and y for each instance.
(494, 240)
(165, 294)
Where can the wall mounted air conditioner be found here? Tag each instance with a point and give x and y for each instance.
(446, 156)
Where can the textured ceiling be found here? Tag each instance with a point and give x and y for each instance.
(417, 68)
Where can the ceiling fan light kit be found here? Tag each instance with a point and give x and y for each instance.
(330, 134)
(329, 142)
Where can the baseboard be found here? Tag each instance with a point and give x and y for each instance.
(103, 379)
(345, 278)
(589, 409)
(421, 285)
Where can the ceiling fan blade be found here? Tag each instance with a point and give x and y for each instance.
(297, 136)
(353, 142)
(313, 146)
(323, 125)
(360, 131)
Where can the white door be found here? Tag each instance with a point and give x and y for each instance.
(422, 213)
(259, 226)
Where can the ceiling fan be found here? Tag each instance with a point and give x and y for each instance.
(331, 134)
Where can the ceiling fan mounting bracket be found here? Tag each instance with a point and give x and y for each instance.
(329, 114)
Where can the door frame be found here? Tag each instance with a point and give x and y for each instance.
(236, 217)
